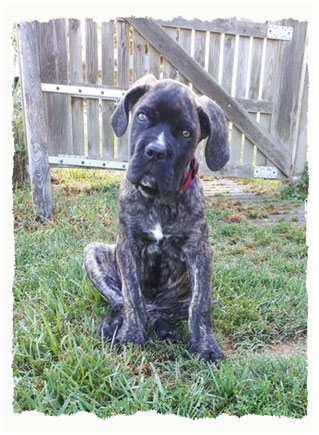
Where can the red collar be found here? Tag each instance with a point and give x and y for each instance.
(193, 169)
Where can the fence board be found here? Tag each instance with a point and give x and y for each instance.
(286, 95)
(228, 64)
(227, 77)
(300, 159)
(52, 46)
(138, 55)
(199, 47)
(185, 41)
(255, 76)
(169, 71)
(107, 44)
(34, 120)
(199, 51)
(271, 66)
(240, 92)
(91, 55)
(75, 50)
(255, 71)
(154, 61)
(123, 77)
(214, 54)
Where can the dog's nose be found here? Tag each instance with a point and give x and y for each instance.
(155, 151)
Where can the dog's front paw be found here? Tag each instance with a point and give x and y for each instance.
(207, 348)
(129, 334)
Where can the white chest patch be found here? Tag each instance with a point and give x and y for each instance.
(157, 232)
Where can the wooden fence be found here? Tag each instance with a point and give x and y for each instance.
(73, 72)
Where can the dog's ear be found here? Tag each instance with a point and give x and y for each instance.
(120, 117)
(213, 126)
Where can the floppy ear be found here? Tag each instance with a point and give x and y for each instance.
(119, 119)
(213, 126)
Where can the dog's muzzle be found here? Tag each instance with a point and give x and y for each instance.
(155, 152)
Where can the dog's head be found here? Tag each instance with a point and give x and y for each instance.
(168, 121)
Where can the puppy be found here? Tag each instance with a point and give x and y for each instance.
(159, 271)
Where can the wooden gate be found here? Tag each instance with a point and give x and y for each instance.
(73, 73)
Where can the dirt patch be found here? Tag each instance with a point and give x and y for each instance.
(285, 348)
(288, 348)
(238, 203)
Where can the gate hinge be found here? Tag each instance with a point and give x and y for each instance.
(265, 172)
(283, 33)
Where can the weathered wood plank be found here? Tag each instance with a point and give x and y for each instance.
(53, 61)
(230, 26)
(227, 77)
(228, 64)
(122, 53)
(91, 56)
(123, 77)
(269, 80)
(214, 54)
(255, 68)
(199, 47)
(75, 51)
(154, 61)
(270, 71)
(138, 56)
(35, 122)
(199, 51)
(240, 93)
(287, 90)
(301, 152)
(242, 67)
(169, 71)
(185, 41)
(255, 77)
(235, 145)
(254, 106)
(268, 90)
(107, 44)
(207, 85)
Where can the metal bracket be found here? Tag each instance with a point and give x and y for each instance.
(78, 161)
(265, 172)
(283, 33)
(85, 91)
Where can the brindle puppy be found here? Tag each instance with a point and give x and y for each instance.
(160, 268)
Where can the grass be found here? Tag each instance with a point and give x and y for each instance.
(61, 367)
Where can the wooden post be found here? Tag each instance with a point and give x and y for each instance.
(289, 88)
(34, 118)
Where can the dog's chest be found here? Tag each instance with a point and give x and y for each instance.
(163, 262)
(161, 240)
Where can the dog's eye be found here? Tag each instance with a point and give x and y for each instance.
(186, 133)
(142, 117)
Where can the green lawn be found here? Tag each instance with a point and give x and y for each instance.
(260, 310)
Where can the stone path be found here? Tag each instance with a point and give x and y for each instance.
(231, 190)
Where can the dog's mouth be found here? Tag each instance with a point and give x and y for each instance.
(148, 185)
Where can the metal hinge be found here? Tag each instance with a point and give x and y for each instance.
(283, 33)
(265, 172)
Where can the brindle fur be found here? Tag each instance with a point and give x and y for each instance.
(159, 270)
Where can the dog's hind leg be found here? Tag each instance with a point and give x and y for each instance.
(100, 264)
